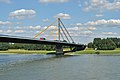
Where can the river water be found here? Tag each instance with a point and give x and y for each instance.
(47, 67)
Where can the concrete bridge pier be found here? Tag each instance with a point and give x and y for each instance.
(73, 49)
(59, 49)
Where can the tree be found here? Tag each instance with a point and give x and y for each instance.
(103, 44)
(96, 42)
(116, 41)
(90, 45)
(4, 46)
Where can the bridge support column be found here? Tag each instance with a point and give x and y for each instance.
(71, 49)
(59, 49)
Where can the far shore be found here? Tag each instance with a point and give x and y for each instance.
(86, 51)
(22, 51)
(117, 51)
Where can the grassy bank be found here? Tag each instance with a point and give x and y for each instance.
(91, 51)
(19, 51)
(22, 51)
(86, 51)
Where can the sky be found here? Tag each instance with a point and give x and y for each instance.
(84, 19)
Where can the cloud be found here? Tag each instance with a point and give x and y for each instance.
(46, 20)
(22, 14)
(102, 5)
(19, 31)
(80, 26)
(87, 32)
(34, 27)
(91, 28)
(109, 33)
(51, 27)
(80, 31)
(5, 1)
(53, 1)
(5, 23)
(9, 31)
(1, 31)
(99, 15)
(73, 28)
(107, 23)
(63, 16)
(77, 24)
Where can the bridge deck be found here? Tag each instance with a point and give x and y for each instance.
(34, 41)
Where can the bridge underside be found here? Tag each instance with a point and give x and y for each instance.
(59, 45)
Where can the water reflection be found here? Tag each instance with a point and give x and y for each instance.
(12, 59)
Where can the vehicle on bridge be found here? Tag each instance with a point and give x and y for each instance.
(42, 39)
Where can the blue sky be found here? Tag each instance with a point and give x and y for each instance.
(84, 19)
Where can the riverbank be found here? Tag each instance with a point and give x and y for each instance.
(86, 51)
(91, 51)
(21, 51)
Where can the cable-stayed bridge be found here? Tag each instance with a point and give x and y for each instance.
(62, 32)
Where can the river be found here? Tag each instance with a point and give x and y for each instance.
(48, 67)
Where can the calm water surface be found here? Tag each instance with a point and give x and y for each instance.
(46, 67)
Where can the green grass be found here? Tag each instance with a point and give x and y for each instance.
(19, 51)
(86, 51)
(91, 51)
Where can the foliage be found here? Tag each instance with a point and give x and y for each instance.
(104, 44)
(116, 41)
(4, 46)
(90, 45)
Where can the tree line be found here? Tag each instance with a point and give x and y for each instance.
(105, 43)
(98, 43)
(6, 46)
